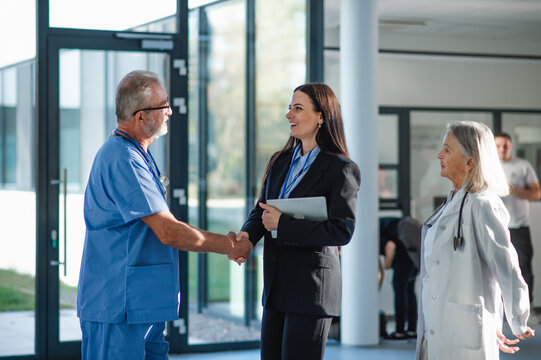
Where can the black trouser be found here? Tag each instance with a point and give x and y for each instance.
(287, 336)
(405, 301)
(522, 242)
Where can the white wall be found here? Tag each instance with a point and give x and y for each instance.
(436, 81)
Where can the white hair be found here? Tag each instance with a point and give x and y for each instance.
(134, 92)
(476, 140)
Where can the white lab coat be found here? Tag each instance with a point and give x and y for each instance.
(467, 285)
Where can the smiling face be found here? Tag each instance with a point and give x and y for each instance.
(454, 164)
(303, 120)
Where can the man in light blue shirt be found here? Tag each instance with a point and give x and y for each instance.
(129, 278)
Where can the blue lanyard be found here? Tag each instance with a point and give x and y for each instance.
(286, 185)
(149, 159)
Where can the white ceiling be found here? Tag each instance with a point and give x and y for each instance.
(494, 19)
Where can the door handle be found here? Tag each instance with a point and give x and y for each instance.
(54, 233)
(65, 191)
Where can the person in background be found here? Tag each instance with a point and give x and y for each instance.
(524, 186)
(129, 278)
(301, 265)
(404, 275)
(469, 268)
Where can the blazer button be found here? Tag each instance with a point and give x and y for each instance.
(442, 227)
(273, 258)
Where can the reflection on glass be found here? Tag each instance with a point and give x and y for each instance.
(388, 183)
(427, 131)
(388, 139)
(17, 210)
(88, 80)
(145, 16)
(193, 121)
(525, 132)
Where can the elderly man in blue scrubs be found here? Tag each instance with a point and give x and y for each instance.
(128, 284)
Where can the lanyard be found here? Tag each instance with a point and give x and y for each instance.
(162, 181)
(286, 186)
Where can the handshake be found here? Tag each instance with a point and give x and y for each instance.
(241, 246)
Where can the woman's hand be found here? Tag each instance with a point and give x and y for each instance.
(270, 217)
(527, 334)
(503, 343)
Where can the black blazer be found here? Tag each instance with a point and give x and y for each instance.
(301, 267)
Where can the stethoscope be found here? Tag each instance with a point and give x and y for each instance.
(161, 181)
(458, 240)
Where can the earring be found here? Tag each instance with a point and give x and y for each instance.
(319, 125)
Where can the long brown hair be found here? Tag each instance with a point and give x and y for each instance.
(330, 137)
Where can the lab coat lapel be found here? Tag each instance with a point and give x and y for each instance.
(454, 206)
(313, 175)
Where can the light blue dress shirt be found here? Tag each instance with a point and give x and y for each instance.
(298, 163)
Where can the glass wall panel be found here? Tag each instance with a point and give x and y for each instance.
(427, 132)
(17, 31)
(17, 210)
(145, 16)
(388, 139)
(88, 80)
(217, 117)
(388, 183)
(281, 67)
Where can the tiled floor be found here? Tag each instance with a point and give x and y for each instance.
(401, 350)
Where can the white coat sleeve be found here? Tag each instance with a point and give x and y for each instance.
(494, 244)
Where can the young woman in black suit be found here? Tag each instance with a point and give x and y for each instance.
(302, 278)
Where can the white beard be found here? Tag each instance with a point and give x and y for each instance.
(153, 131)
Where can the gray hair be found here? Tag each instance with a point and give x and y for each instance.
(134, 92)
(476, 140)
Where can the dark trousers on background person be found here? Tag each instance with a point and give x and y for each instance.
(522, 241)
(405, 301)
(287, 336)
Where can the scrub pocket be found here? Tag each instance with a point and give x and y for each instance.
(150, 291)
(462, 325)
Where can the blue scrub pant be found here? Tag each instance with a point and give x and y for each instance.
(104, 341)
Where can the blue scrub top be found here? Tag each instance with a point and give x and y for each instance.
(126, 274)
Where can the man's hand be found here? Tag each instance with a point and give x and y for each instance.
(242, 246)
(270, 217)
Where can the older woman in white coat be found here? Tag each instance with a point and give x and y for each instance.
(468, 264)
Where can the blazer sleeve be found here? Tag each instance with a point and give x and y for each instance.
(253, 225)
(495, 248)
(342, 204)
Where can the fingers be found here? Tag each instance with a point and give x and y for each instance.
(242, 235)
(508, 349)
(265, 206)
(527, 334)
(242, 246)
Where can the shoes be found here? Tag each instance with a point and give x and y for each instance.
(397, 336)
(411, 334)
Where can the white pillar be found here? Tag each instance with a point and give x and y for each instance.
(358, 56)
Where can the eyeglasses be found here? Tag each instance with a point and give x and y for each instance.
(152, 108)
